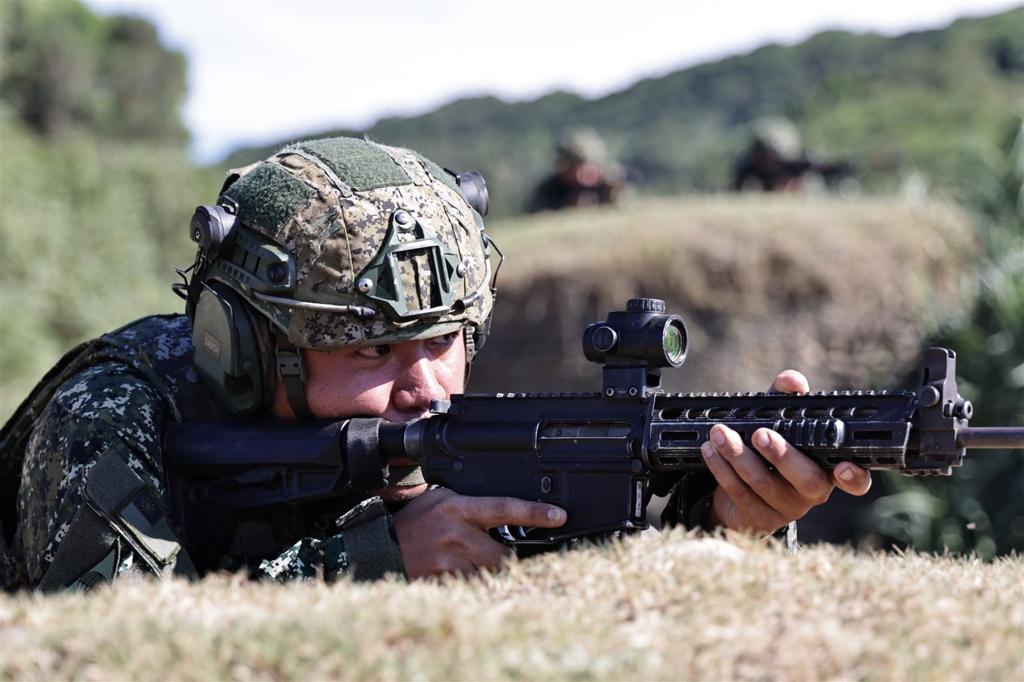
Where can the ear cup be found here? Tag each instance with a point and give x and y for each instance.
(232, 349)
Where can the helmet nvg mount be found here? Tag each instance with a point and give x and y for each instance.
(328, 244)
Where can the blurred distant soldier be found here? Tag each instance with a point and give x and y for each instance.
(776, 162)
(583, 175)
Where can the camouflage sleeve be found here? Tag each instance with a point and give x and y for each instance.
(92, 502)
(365, 548)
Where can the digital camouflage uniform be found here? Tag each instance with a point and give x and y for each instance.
(333, 198)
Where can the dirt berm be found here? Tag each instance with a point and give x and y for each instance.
(845, 291)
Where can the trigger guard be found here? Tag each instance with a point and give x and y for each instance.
(503, 534)
(511, 535)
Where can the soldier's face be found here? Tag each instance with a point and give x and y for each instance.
(394, 381)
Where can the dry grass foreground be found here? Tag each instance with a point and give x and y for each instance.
(652, 607)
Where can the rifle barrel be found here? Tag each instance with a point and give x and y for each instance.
(991, 437)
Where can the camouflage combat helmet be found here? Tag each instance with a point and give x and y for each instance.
(581, 145)
(348, 242)
(337, 242)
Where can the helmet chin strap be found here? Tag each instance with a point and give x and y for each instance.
(475, 337)
(291, 370)
(470, 343)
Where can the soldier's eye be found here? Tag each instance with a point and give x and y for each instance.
(375, 351)
(443, 341)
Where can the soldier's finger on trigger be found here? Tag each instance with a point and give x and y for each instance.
(485, 552)
(491, 512)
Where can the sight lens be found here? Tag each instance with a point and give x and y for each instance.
(674, 343)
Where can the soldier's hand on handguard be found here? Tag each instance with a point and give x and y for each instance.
(444, 532)
(750, 495)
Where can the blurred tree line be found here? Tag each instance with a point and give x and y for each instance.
(66, 68)
(96, 189)
(929, 104)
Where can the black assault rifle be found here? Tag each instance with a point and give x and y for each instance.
(594, 454)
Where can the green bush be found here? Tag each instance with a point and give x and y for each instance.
(981, 509)
(92, 230)
(65, 68)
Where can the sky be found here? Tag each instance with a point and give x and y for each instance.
(261, 71)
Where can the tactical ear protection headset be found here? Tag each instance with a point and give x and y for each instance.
(237, 351)
(232, 347)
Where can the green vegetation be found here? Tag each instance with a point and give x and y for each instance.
(92, 230)
(651, 608)
(982, 508)
(95, 187)
(66, 68)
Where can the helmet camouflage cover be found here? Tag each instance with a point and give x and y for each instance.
(349, 242)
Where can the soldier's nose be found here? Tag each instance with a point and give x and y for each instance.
(418, 386)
